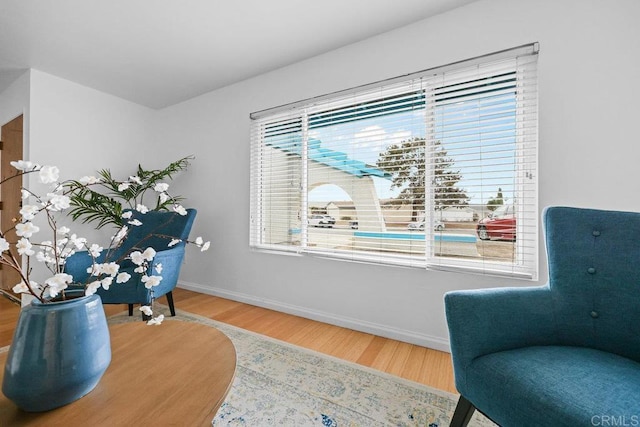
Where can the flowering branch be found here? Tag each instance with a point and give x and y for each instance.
(54, 253)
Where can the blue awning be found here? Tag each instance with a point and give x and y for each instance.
(292, 143)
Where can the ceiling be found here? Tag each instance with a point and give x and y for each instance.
(161, 52)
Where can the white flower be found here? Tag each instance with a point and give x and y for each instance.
(205, 246)
(156, 320)
(22, 287)
(146, 310)
(92, 287)
(66, 252)
(95, 250)
(135, 179)
(78, 242)
(23, 165)
(136, 257)
(48, 174)
(123, 186)
(123, 277)
(127, 214)
(106, 282)
(41, 257)
(135, 222)
(58, 282)
(174, 242)
(4, 245)
(164, 197)
(29, 212)
(142, 208)
(110, 268)
(180, 209)
(59, 279)
(57, 202)
(26, 229)
(86, 180)
(148, 254)
(199, 241)
(150, 281)
(95, 269)
(63, 230)
(25, 194)
(24, 247)
(140, 269)
(120, 234)
(158, 268)
(161, 187)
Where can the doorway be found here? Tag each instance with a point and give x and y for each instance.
(11, 135)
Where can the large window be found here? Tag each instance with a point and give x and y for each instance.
(437, 169)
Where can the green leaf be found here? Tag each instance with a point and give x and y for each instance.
(103, 203)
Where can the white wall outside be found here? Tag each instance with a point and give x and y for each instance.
(455, 214)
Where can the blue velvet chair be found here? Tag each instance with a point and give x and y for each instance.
(563, 354)
(157, 230)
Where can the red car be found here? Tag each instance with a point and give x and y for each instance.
(501, 224)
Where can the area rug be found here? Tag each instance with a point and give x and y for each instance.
(281, 384)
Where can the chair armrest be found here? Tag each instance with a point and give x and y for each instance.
(171, 260)
(490, 320)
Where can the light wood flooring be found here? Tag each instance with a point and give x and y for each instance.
(420, 364)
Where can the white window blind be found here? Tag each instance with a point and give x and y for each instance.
(436, 169)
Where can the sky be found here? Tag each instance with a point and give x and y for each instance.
(364, 140)
(456, 127)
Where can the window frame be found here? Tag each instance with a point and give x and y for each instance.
(313, 108)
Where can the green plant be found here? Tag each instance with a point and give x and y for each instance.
(103, 199)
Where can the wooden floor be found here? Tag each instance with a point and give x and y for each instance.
(412, 362)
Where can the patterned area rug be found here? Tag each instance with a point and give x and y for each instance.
(281, 384)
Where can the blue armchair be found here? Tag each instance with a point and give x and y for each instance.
(564, 354)
(157, 230)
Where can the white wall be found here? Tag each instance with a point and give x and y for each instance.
(14, 101)
(588, 82)
(81, 130)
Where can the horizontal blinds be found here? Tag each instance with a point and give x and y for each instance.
(276, 176)
(484, 124)
(354, 153)
(383, 173)
(363, 110)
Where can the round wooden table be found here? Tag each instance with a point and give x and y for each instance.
(177, 373)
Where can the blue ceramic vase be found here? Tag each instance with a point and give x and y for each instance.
(58, 354)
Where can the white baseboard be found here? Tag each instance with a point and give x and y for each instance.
(321, 316)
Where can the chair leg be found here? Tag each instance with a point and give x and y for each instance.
(462, 415)
(172, 309)
(130, 309)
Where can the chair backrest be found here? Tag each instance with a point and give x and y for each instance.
(157, 230)
(594, 276)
